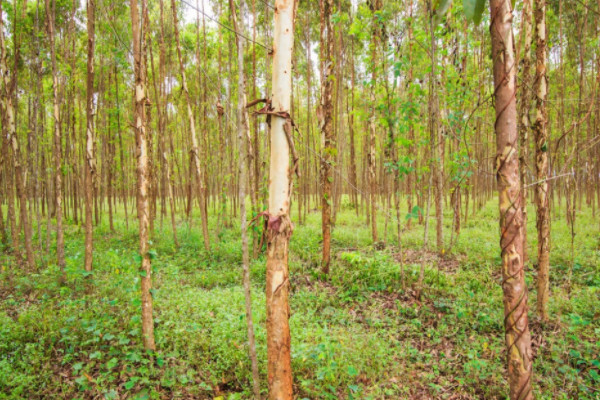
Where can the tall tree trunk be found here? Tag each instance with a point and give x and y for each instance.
(161, 108)
(436, 139)
(195, 152)
(524, 123)
(325, 114)
(124, 192)
(309, 111)
(90, 162)
(139, 66)
(376, 5)
(412, 175)
(60, 241)
(518, 340)
(350, 112)
(279, 224)
(244, 164)
(541, 162)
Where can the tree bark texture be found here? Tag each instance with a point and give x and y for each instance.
(325, 113)
(143, 184)
(541, 162)
(279, 225)
(518, 340)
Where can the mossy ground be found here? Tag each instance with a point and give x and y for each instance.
(356, 335)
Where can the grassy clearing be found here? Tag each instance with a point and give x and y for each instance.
(357, 335)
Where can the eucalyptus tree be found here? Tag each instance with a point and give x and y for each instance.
(325, 114)
(56, 149)
(90, 162)
(279, 224)
(245, 156)
(138, 31)
(524, 105)
(516, 324)
(541, 161)
(375, 36)
(518, 339)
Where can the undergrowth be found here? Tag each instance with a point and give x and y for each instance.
(356, 334)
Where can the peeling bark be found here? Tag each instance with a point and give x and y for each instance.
(90, 162)
(325, 114)
(279, 370)
(58, 198)
(143, 184)
(524, 124)
(518, 340)
(541, 162)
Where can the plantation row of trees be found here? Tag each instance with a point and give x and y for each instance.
(410, 109)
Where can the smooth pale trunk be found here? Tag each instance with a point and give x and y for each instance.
(278, 331)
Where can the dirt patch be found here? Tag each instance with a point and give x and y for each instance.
(539, 332)
(446, 263)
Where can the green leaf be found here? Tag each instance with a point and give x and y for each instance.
(441, 7)
(82, 380)
(152, 254)
(352, 371)
(131, 382)
(112, 363)
(474, 10)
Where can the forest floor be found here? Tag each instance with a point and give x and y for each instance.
(356, 335)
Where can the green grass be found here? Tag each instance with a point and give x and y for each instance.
(357, 335)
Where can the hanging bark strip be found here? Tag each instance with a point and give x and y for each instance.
(518, 340)
(288, 127)
(279, 369)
